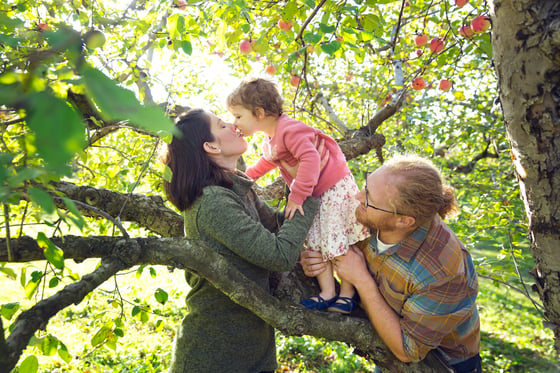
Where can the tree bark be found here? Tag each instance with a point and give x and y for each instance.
(526, 45)
(288, 317)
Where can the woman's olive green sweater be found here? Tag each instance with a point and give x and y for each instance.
(217, 335)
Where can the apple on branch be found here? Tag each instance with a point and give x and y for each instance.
(480, 24)
(245, 46)
(466, 31)
(284, 25)
(445, 85)
(294, 80)
(421, 40)
(270, 70)
(437, 45)
(418, 83)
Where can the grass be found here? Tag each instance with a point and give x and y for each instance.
(513, 338)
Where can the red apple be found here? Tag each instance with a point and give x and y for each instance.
(43, 26)
(419, 52)
(445, 85)
(466, 32)
(418, 83)
(437, 45)
(421, 40)
(461, 3)
(294, 80)
(182, 4)
(270, 70)
(480, 24)
(284, 25)
(245, 46)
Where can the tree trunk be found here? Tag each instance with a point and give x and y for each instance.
(526, 45)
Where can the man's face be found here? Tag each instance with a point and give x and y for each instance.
(374, 210)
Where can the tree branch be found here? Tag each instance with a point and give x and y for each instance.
(292, 319)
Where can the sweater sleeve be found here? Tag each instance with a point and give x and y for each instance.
(262, 167)
(301, 146)
(223, 218)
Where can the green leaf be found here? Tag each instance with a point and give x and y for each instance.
(186, 46)
(176, 26)
(42, 199)
(63, 353)
(49, 115)
(330, 48)
(79, 220)
(309, 3)
(8, 272)
(117, 103)
(135, 311)
(119, 332)
(326, 28)
(8, 310)
(311, 38)
(10, 91)
(29, 365)
(101, 335)
(161, 295)
(49, 345)
(53, 282)
(30, 288)
(153, 272)
(52, 253)
(144, 316)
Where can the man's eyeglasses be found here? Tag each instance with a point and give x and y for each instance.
(372, 206)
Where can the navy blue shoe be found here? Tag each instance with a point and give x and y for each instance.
(320, 304)
(343, 305)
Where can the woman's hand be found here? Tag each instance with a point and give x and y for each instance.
(312, 263)
(351, 266)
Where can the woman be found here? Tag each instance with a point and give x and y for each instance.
(221, 208)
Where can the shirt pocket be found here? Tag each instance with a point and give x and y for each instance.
(394, 296)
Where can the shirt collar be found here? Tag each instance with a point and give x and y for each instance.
(241, 183)
(406, 248)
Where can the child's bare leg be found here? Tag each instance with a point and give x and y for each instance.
(346, 289)
(326, 282)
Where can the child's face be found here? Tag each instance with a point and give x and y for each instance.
(244, 120)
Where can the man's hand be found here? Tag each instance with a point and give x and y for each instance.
(351, 266)
(291, 209)
(312, 263)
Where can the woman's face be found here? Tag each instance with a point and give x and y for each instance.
(229, 141)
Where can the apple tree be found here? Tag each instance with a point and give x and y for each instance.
(88, 90)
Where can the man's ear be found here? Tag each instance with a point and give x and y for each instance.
(406, 222)
(210, 148)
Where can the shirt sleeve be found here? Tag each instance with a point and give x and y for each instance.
(260, 168)
(301, 145)
(429, 315)
(224, 219)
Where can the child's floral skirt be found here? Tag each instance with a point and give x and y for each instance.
(335, 226)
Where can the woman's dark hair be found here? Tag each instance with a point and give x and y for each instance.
(191, 167)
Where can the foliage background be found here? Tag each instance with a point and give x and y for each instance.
(358, 55)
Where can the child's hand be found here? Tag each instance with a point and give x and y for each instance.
(291, 209)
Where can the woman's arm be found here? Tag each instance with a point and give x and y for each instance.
(222, 216)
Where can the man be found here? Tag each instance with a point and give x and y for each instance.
(416, 281)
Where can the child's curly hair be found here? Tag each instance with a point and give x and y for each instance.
(257, 93)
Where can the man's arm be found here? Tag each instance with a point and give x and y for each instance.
(352, 267)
